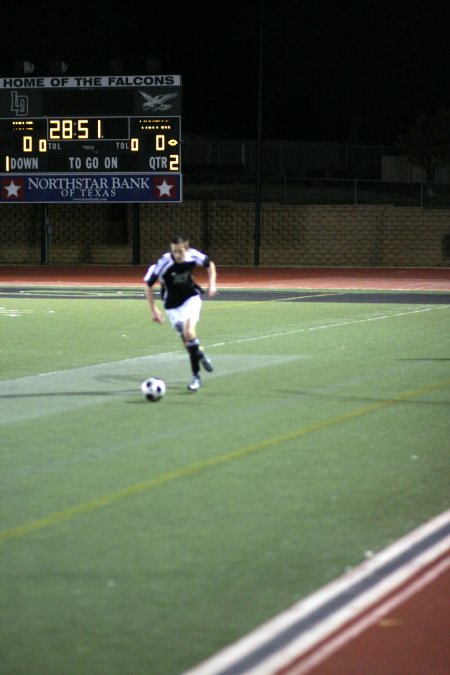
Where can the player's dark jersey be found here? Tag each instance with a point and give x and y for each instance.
(177, 283)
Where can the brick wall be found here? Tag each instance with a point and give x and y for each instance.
(307, 235)
(20, 229)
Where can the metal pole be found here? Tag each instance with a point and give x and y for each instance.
(136, 225)
(45, 236)
(258, 141)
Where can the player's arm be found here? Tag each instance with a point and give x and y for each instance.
(212, 289)
(156, 313)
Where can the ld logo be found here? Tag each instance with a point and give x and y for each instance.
(19, 104)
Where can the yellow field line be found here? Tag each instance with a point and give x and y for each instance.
(209, 463)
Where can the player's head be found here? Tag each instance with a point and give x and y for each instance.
(178, 247)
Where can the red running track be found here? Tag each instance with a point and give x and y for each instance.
(411, 279)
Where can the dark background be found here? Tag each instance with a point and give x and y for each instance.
(332, 70)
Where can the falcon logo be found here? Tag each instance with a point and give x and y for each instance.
(157, 103)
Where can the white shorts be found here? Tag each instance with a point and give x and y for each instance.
(190, 309)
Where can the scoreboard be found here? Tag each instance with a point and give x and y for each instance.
(111, 138)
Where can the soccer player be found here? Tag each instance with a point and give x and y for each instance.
(181, 297)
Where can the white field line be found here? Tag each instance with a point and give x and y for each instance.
(229, 659)
(169, 355)
(331, 325)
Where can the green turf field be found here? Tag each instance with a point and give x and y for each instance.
(139, 538)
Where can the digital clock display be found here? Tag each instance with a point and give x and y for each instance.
(97, 144)
(87, 129)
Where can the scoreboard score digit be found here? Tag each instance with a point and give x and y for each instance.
(91, 144)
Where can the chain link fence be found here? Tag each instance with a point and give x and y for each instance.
(307, 173)
(293, 190)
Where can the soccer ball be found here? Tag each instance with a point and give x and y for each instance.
(153, 388)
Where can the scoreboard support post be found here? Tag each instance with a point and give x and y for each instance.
(45, 235)
(136, 237)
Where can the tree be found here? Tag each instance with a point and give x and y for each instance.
(427, 143)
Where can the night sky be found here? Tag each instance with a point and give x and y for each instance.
(332, 70)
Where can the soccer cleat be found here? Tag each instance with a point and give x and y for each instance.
(195, 383)
(206, 363)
